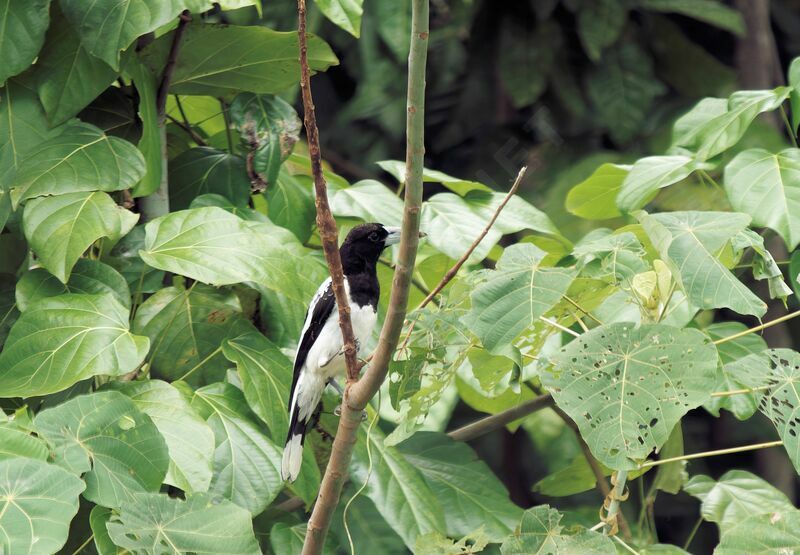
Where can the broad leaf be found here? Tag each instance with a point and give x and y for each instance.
(398, 490)
(213, 61)
(190, 441)
(205, 170)
(90, 277)
(98, 518)
(22, 31)
(246, 463)
(690, 242)
(370, 201)
(452, 225)
(105, 438)
(344, 13)
(269, 127)
(762, 262)
(712, 12)
(365, 525)
(81, 158)
(767, 534)
(150, 143)
(518, 214)
(9, 311)
(470, 495)
(186, 328)
(650, 174)
(124, 257)
(156, 523)
(627, 387)
(767, 186)
(594, 198)
(59, 229)
(599, 25)
(515, 295)
(37, 503)
(735, 496)
(61, 340)
(459, 186)
(290, 204)
(15, 442)
(540, 532)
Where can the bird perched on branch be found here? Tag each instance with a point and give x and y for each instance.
(320, 351)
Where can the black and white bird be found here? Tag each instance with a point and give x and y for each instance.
(320, 351)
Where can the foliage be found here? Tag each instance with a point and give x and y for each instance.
(146, 353)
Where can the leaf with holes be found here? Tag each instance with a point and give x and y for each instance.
(691, 242)
(627, 387)
(515, 295)
(37, 503)
(156, 523)
(540, 532)
(204, 170)
(105, 438)
(62, 340)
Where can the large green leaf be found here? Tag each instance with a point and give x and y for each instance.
(61, 340)
(15, 442)
(767, 186)
(105, 438)
(367, 528)
(710, 11)
(627, 387)
(81, 158)
(37, 503)
(290, 204)
(540, 532)
(266, 375)
(452, 225)
(9, 311)
(189, 439)
(205, 170)
(594, 198)
(344, 13)
(91, 277)
(515, 295)
(735, 496)
(456, 184)
(67, 77)
(150, 144)
(186, 328)
(269, 127)
(370, 201)
(124, 257)
(767, 534)
(217, 60)
(398, 490)
(599, 25)
(470, 494)
(59, 229)
(22, 29)
(650, 174)
(246, 462)
(517, 215)
(690, 242)
(156, 523)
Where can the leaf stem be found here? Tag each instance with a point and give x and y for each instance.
(739, 391)
(740, 449)
(789, 129)
(227, 117)
(84, 544)
(556, 325)
(617, 495)
(586, 312)
(763, 326)
(695, 528)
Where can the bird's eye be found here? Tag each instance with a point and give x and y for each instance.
(373, 236)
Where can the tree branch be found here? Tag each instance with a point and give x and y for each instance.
(358, 393)
(499, 420)
(169, 67)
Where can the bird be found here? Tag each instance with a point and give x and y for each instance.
(320, 352)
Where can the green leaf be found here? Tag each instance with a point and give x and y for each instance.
(600, 24)
(517, 215)
(344, 13)
(767, 186)
(269, 127)
(370, 201)
(156, 523)
(594, 198)
(105, 438)
(368, 530)
(762, 263)
(690, 242)
(62, 340)
(15, 442)
(246, 462)
(9, 311)
(393, 20)
(290, 204)
(793, 77)
(150, 143)
(671, 477)
(766, 534)
(452, 225)
(21, 34)
(514, 296)
(627, 387)
(470, 494)
(650, 174)
(707, 130)
(124, 257)
(575, 478)
(189, 439)
(68, 78)
(540, 532)
(433, 542)
(459, 186)
(59, 229)
(734, 497)
(708, 11)
(398, 490)
(37, 503)
(289, 539)
(213, 61)
(205, 170)
(186, 328)
(98, 518)
(81, 158)
(108, 26)
(622, 89)
(90, 277)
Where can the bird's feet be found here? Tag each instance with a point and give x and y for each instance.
(338, 412)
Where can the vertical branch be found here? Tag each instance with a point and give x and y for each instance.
(358, 393)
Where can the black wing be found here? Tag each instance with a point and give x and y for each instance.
(318, 312)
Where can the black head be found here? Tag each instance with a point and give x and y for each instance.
(364, 244)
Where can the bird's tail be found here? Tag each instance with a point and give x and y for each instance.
(293, 450)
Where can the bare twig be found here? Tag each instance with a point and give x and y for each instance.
(740, 449)
(496, 421)
(189, 130)
(358, 393)
(169, 67)
(754, 329)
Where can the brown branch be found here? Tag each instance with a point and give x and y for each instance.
(191, 132)
(501, 419)
(358, 393)
(169, 67)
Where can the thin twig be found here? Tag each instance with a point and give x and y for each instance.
(191, 132)
(740, 449)
(579, 307)
(501, 419)
(558, 326)
(763, 326)
(227, 119)
(169, 67)
(740, 391)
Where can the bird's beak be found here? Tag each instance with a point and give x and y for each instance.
(394, 236)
